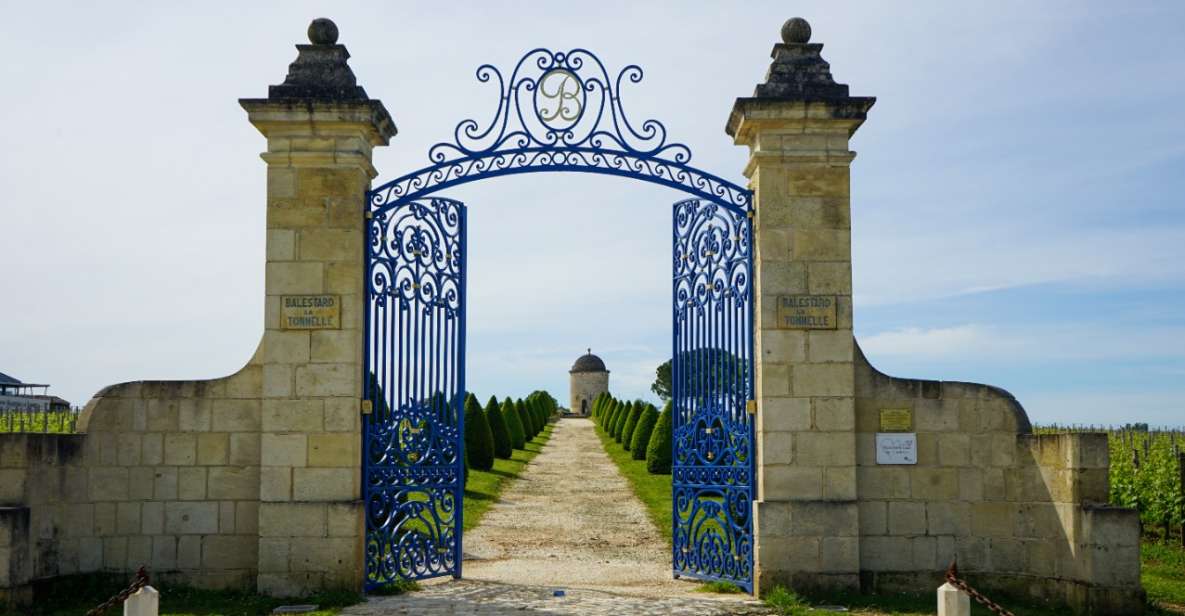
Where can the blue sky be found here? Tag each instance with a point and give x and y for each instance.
(1017, 215)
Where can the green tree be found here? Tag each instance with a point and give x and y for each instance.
(642, 432)
(662, 381)
(514, 426)
(479, 440)
(658, 451)
(502, 447)
(716, 372)
(631, 422)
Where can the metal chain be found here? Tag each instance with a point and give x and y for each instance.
(952, 576)
(140, 582)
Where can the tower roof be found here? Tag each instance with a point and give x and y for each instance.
(588, 363)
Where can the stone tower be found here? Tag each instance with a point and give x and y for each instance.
(589, 379)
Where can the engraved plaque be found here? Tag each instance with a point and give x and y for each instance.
(896, 420)
(806, 312)
(897, 448)
(310, 312)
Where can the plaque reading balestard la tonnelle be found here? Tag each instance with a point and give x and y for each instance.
(310, 312)
(806, 312)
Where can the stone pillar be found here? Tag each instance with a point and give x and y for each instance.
(320, 128)
(797, 127)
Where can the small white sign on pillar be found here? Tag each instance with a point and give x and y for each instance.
(896, 448)
(952, 601)
(146, 602)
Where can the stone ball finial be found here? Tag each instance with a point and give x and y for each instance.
(323, 31)
(796, 31)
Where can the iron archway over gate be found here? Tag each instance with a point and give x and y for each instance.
(558, 111)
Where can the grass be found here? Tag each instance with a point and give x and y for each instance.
(1163, 574)
(73, 595)
(653, 490)
(722, 588)
(483, 487)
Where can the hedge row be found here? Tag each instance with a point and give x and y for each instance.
(499, 429)
(641, 429)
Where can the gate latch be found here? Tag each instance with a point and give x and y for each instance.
(751, 407)
(367, 407)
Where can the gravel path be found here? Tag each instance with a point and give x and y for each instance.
(570, 523)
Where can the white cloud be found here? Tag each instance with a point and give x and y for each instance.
(982, 342)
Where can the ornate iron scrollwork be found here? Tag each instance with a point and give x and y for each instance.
(413, 461)
(712, 382)
(560, 111)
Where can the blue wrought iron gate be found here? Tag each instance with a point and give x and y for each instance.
(712, 382)
(413, 466)
(556, 111)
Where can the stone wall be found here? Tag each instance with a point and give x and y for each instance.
(585, 387)
(1024, 514)
(166, 476)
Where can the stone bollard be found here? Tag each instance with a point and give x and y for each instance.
(952, 601)
(146, 602)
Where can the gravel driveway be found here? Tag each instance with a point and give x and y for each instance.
(570, 523)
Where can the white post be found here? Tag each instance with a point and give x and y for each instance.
(952, 601)
(146, 602)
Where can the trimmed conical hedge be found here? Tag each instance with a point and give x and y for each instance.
(479, 440)
(597, 404)
(514, 427)
(611, 421)
(624, 416)
(536, 410)
(631, 422)
(619, 423)
(502, 447)
(641, 439)
(524, 420)
(658, 451)
(606, 409)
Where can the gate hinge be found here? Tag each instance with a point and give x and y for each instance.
(751, 407)
(367, 407)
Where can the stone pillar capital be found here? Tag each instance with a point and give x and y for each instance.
(799, 113)
(321, 133)
(319, 116)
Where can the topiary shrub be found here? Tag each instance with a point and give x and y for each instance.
(631, 422)
(536, 406)
(658, 451)
(618, 406)
(606, 411)
(514, 427)
(619, 422)
(598, 404)
(524, 421)
(502, 447)
(642, 432)
(479, 441)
